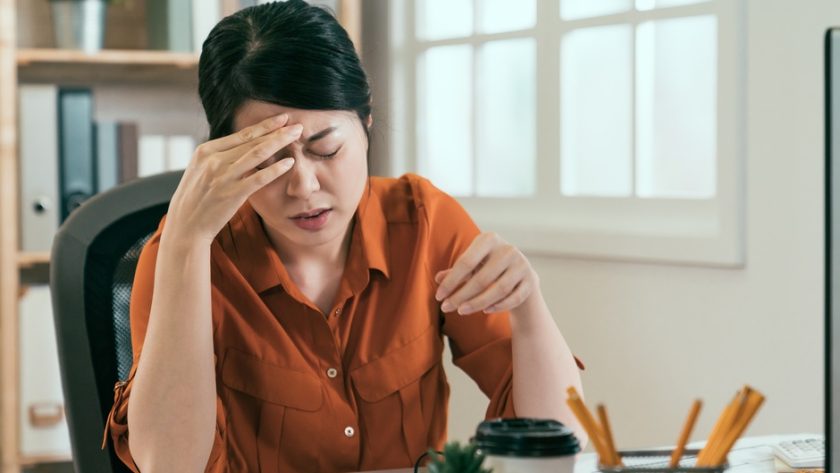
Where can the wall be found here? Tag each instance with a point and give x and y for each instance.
(654, 337)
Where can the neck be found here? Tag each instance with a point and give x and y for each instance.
(329, 254)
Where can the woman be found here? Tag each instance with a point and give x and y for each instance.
(288, 313)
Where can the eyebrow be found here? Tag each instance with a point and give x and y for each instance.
(320, 134)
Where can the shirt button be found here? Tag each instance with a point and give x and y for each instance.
(332, 372)
(349, 431)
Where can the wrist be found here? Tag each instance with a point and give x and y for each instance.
(531, 314)
(181, 244)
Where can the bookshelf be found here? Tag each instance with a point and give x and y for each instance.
(27, 57)
(37, 65)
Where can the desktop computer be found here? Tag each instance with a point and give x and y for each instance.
(832, 248)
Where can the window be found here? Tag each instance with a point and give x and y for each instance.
(605, 128)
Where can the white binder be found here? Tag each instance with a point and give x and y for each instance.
(151, 159)
(43, 425)
(39, 200)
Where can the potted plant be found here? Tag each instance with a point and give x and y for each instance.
(457, 459)
(80, 24)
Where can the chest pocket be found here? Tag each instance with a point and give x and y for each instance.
(397, 374)
(276, 389)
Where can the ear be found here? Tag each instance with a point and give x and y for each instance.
(369, 121)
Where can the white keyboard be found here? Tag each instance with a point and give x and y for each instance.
(803, 453)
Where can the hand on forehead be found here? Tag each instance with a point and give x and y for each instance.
(313, 121)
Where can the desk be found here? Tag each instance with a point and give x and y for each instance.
(750, 455)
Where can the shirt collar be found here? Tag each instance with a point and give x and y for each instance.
(374, 230)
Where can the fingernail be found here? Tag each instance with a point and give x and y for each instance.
(446, 307)
(287, 163)
(439, 295)
(296, 129)
(465, 309)
(279, 118)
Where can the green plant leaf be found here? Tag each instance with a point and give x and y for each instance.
(457, 459)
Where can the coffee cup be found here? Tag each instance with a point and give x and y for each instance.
(527, 446)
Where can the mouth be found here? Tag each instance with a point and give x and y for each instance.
(310, 214)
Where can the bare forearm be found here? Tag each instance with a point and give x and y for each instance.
(172, 408)
(543, 365)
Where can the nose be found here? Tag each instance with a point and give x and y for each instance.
(303, 179)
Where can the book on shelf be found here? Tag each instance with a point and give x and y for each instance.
(169, 24)
(107, 155)
(159, 153)
(183, 25)
(204, 19)
(128, 142)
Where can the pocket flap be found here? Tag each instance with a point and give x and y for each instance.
(398, 368)
(276, 384)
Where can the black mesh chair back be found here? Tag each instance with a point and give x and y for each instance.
(92, 264)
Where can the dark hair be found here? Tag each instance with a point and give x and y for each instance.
(287, 53)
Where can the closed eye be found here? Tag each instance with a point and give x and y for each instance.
(276, 158)
(328, 156)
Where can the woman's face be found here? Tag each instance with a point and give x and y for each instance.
(329, 172)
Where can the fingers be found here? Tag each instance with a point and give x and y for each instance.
(441, 274)
(491, 275)
(498, 275)
(500, 290)
(468, 262)
(266, 148)
(263, 177)
(244, 135)
(513, 300)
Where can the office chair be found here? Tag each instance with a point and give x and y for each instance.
(92, 264)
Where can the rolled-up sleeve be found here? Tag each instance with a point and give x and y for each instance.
(480, 343)
(116, 425)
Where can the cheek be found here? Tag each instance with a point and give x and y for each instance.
(351, 174)
(354, 163)
(268, 198)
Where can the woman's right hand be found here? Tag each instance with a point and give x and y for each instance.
(222, 175)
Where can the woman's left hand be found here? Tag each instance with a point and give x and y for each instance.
(490, 276)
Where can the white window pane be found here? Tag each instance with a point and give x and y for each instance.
(651, 4)
(676, 85)
(439, 19)
(574, 9)
(596, 114)
(506, 118)
(444, 135)
(496, 16)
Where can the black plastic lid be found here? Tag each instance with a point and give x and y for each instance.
(525, 438)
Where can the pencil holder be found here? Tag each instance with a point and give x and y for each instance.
(656, 461)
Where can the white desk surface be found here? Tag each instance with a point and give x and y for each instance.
(750, 455)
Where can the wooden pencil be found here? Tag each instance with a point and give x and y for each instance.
(736, 411)
(587, 421)
(686, 433)
(723, 422)
(753, 404)
(608, 435)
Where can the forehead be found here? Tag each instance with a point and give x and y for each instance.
(253, 112)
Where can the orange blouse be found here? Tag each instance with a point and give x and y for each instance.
(359, 388)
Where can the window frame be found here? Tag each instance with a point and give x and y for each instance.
(707, 232)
